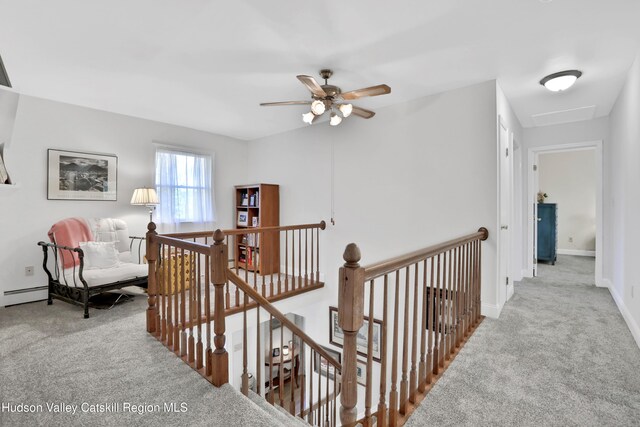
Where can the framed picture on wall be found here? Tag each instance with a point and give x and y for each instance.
(361, 372)
(73, 175)
(320, 364)
(336, 335)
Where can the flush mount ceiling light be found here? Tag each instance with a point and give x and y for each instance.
(563, 80)
(328, 97)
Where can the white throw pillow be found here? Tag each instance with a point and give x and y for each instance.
(100, 254)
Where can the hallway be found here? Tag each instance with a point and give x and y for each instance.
(561, 354)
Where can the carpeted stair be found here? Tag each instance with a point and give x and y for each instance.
(278, 413)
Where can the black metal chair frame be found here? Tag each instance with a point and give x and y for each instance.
(61, 288)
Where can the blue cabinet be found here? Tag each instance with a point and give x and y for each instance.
(547, 232)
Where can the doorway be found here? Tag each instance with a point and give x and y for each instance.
(576, 233)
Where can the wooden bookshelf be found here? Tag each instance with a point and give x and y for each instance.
(259, 206)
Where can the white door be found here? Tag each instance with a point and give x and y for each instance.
(505, 154)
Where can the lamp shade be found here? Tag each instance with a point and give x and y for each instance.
(145, 197)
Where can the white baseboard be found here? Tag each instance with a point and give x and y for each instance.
(576, 252)
(24, 295)
(490, 310)
(626, 314)
(510, 291)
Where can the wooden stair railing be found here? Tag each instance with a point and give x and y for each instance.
(189, 295)
(314, 381)
(430, 305)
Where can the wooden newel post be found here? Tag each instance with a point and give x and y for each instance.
(350, 319)
(219, 357)
(152, 256)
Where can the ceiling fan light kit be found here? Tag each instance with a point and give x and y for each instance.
(328, 97)
(558, 82)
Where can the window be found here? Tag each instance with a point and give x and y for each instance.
(184, 185)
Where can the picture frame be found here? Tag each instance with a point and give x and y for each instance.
(255, 221)
(361, 372)
(275, 352)
(336, 335)
(321, 366)
(76, 175)
(243, 218)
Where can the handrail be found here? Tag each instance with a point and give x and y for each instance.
(264, 303)
(249, 230)
(390, 265)
(183, 244)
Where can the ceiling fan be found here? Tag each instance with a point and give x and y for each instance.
(328, 97)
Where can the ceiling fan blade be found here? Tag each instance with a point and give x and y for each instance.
(367, 91)
(312, 85)
(362, 112)
(275, 104)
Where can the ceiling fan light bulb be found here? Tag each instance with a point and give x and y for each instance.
(308, 117)
(317, 107)
(335, 119)
(346, 109)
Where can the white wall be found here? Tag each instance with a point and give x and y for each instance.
(570, 133)
(622, 181)
(27, 215)
(569, 179)
(416, 174)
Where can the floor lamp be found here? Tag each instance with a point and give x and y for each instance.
(145, 197)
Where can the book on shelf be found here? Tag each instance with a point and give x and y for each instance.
(244, 199)
(252, 200)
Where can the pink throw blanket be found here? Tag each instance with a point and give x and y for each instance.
(70, 232)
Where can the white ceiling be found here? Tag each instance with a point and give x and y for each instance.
(207, 65)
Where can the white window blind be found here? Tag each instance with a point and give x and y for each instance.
(184, 186)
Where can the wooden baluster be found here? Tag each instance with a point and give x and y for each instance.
(430, 325)
(322, 227)
(163, 293)
(327, 400)
(286, 261)
(207, 315)
(447, 325)
(255, 265)
(313, 362)
(281, 370)
(258, 352)
(293, 381)
(457, 298)
(312, 276)
(318, 415)
(369, 381)
(270, 356)
(335, 394)
(404, 383)
(183, 307)
(393, 395)
(191, 344)
(413, 375)
(272, 267)
(245, 374)
(237, 267)
(477, 286)
(293, 259)
(436, 330)
(484, 237)
(306, 246)
(300, 283)
(175, 283)
(220, 374)
(350, 319)
(443, 297)
(422, 367)
(467, 291)
(152, 256)
(475, 283)
(278, 269)
(303, 378)
(246, 264)
(382, 406)
(199, 347)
